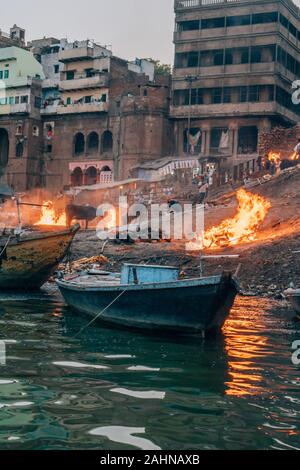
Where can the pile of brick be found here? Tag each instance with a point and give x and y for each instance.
(279, 139)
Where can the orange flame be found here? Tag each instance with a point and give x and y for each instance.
(243, 227)
(274, 157)
(49, 216)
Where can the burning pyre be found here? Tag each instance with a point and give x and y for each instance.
(252, 211)
(51, 217)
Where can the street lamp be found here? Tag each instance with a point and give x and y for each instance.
(190, 79)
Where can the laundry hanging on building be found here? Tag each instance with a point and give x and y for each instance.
(224, 141)
(194, 140)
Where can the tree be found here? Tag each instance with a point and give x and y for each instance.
(161, 69)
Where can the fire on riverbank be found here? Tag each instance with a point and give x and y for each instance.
(242, 228)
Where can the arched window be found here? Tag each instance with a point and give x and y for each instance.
(93, 142)
(79, 143)
(4, 147)
(77, 177)
(107, 142)
(106, 175)
(91, 176)
(19, 150)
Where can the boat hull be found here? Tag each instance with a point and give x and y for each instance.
(27, 264)
(191, 306)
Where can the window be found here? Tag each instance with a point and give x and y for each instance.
(243, 92)
(11, 100)
(17, 100)
(87, 99)
(19, 150)
(260, 18)
(6, 73)
(284, 21)
(292, 30)
(37, 102)
(1, 74)
(24, 99)
(248, 139)
(192, 141)
(217, 95)
(69, 100)
(56, 68)
(35, 131)
(70, 75)
(254, 93)
(107, 142)
(213, 23)
(193, 25)
(79, 143)
(219, 138)
(256, 55)
(193, 59)
(227, 95)
(93, 142)
(242, 20)
(218, 57)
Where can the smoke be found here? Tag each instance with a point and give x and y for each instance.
(30, 214)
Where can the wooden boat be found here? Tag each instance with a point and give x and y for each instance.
(153, 298)
(29, 259)
(293, 295)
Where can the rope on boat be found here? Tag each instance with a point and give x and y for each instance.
(6, 245)
(99, 314)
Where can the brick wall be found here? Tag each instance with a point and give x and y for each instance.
(279, 139)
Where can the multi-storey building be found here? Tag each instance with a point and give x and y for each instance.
(15, 37)
(74, 114)
(82, 111)
(20, 125)
(235, 61)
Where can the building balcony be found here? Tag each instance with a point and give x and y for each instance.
(232, 110)
(83, 108)
(50, 83)
(22, 108)
(50, 109)
(98, 81)
(230, 32)
(181, 5)
(75, 54)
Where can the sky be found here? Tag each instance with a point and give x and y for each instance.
(134, 28)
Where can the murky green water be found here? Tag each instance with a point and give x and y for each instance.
(111, 389)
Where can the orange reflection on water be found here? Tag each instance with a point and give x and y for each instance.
(245, 345)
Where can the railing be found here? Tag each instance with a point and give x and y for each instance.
(182, 4)
(200, 3)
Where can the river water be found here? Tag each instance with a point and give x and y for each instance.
(109, 389)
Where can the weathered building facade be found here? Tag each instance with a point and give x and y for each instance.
(87, 116)
(20, 124)
(235, 62)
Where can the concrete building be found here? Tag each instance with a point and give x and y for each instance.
(235, 62)
(96, 110)
(16, 37)
(20, 125)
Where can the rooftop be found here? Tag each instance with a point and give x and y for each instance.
(183, 4)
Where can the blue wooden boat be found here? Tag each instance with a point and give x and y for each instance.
(152, 298)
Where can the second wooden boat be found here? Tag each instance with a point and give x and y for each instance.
(28, 260)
